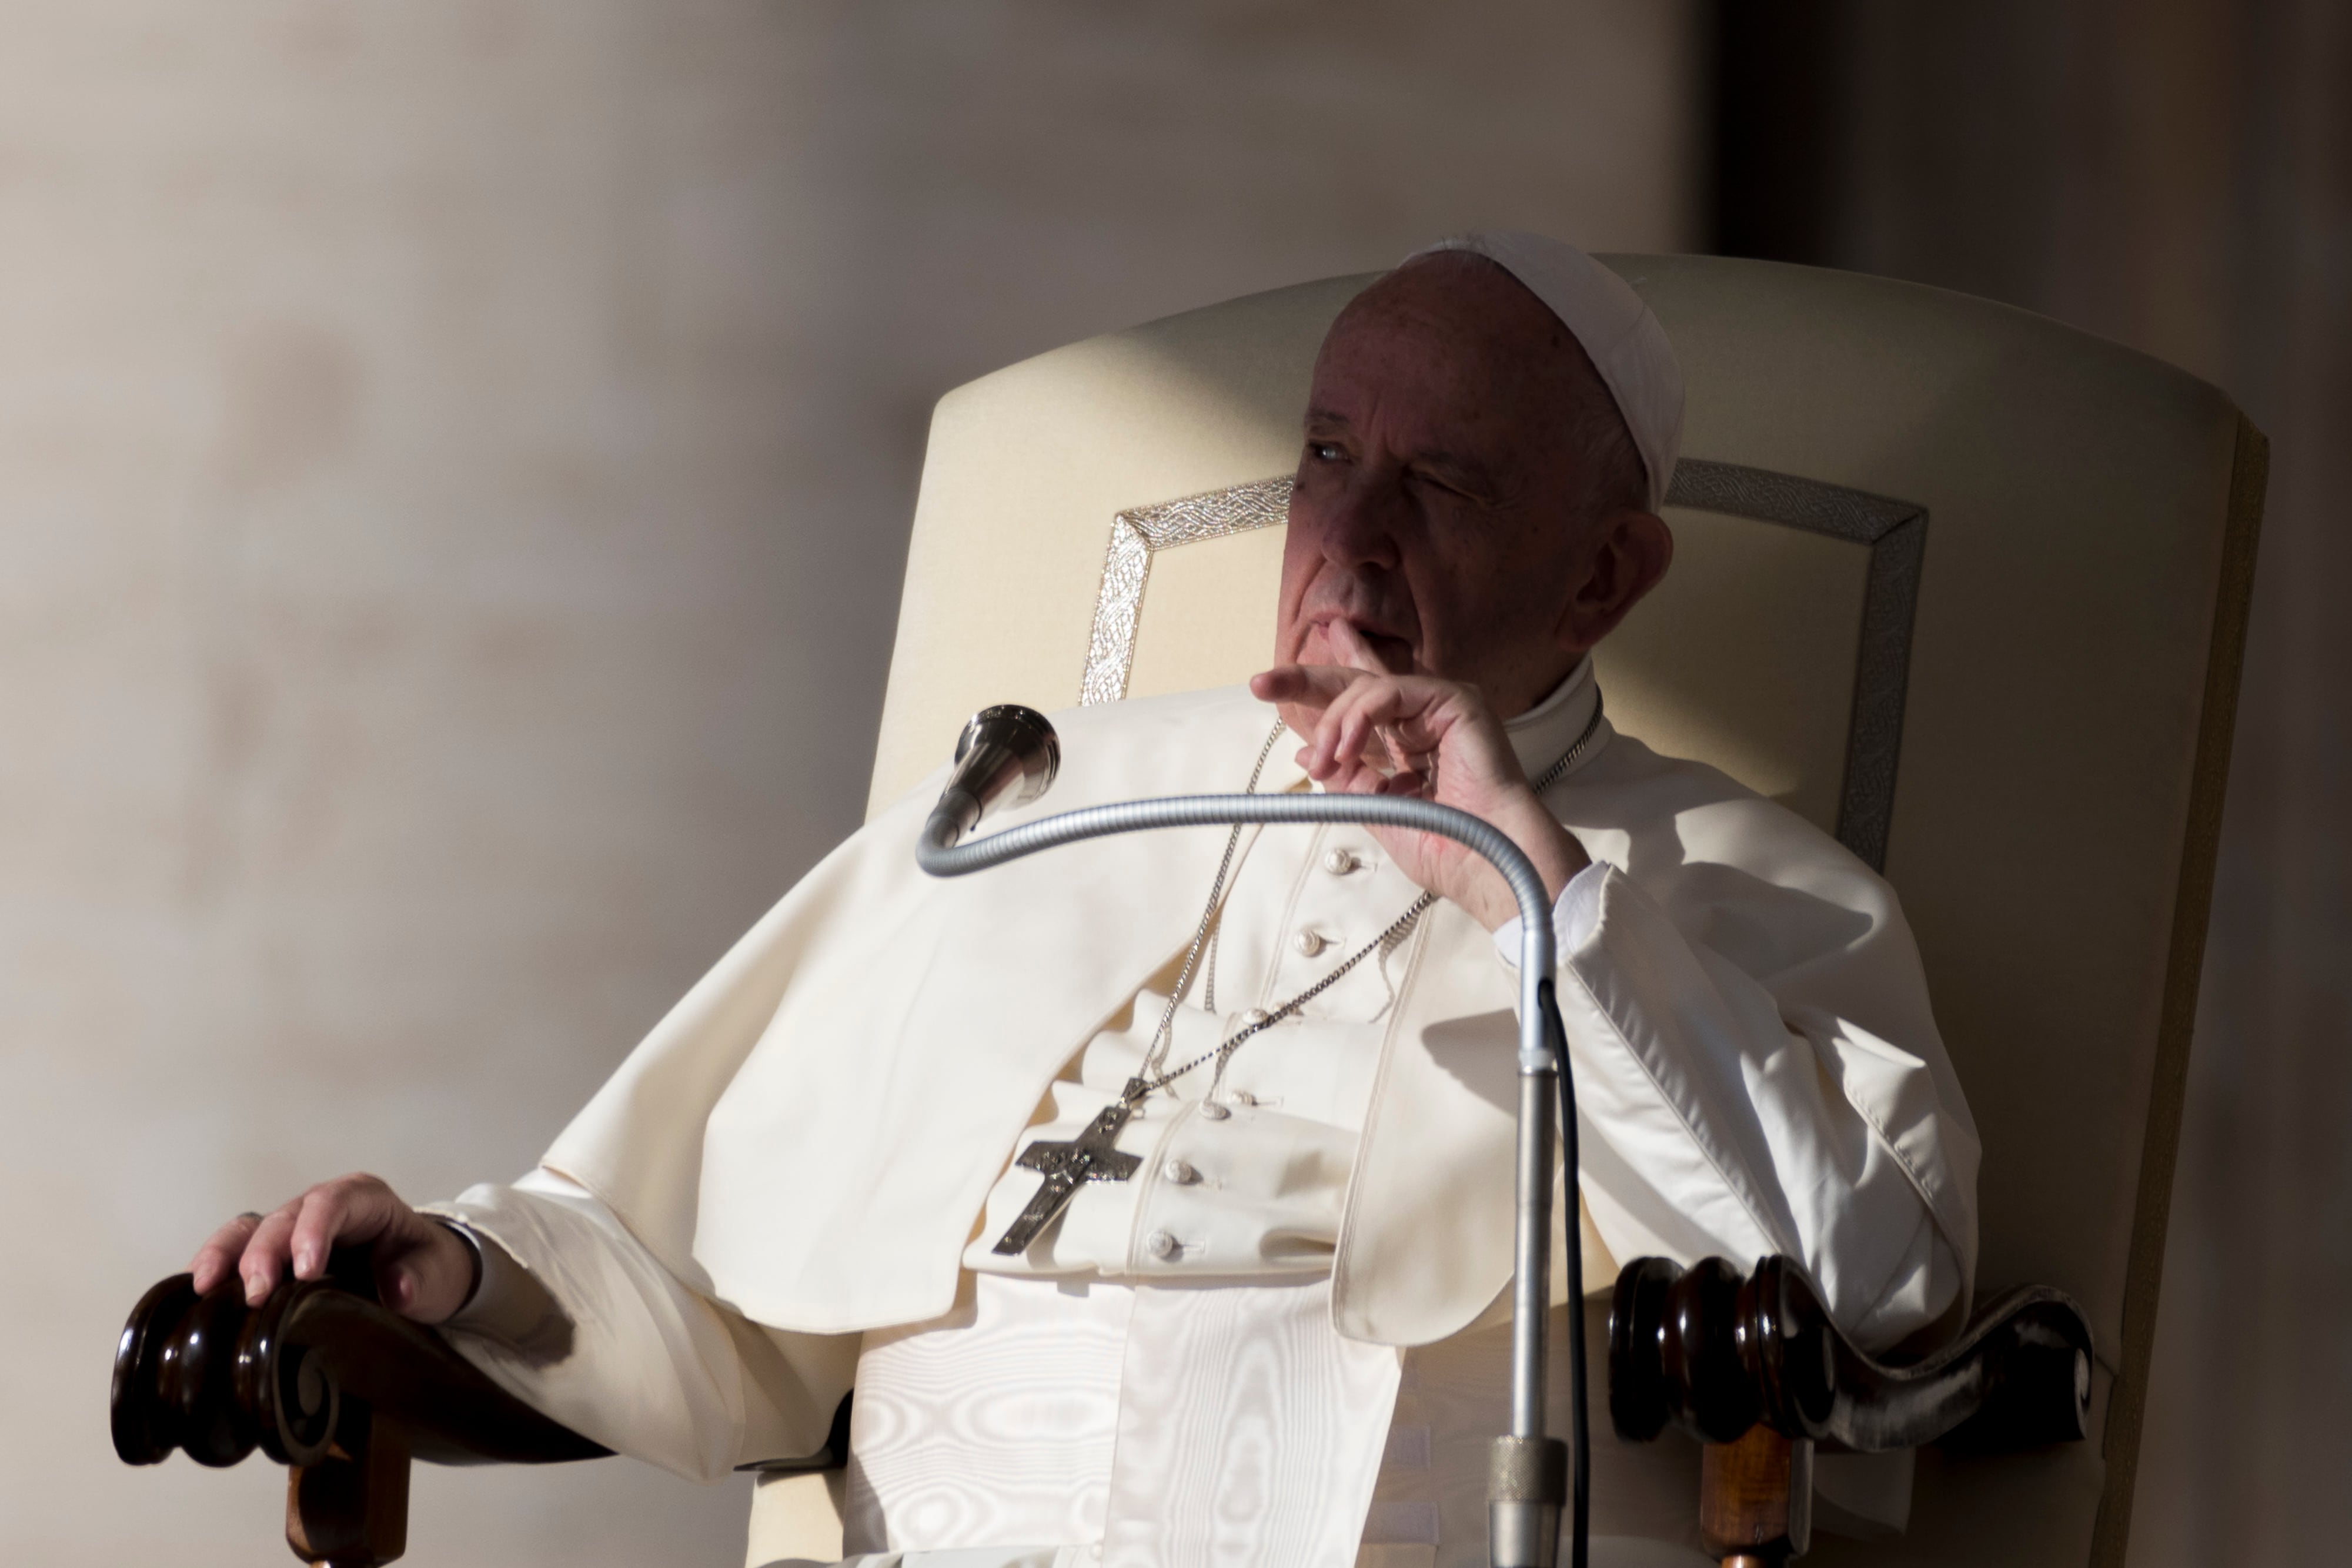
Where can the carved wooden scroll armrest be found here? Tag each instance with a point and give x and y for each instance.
(1754, 1368)
(325, 1380)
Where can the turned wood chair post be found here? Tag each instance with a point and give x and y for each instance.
(326, 1381)
(1754, 1368)
(350, 1509)
(1755, 1495)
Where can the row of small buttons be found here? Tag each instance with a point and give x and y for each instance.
(1338, 863)
(1160, 1244)
(1310, 943)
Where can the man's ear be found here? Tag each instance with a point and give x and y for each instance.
(1629, 556)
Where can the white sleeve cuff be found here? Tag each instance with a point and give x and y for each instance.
(506, 1304)
(1573, 915)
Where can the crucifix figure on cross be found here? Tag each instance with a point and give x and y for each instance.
(1092, 1155)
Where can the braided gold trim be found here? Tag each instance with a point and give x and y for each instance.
(1141, 532)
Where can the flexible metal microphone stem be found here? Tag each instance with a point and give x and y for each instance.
(1527, 1471)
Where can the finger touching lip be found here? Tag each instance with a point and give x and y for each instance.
(1350, 644)
(1362, 647)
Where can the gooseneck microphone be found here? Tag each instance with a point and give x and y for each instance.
(1009, 755)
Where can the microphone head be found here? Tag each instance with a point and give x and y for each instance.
(1007, 756)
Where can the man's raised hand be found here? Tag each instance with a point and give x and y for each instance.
(422, 1270)
(1373, 733)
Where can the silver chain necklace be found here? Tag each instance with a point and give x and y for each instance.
(1259, 1020)
(1094, 1155)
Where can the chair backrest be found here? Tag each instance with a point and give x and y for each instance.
(1960, 584)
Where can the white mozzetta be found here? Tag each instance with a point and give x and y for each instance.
(818, 1139)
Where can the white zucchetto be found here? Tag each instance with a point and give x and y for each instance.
(1621, 335)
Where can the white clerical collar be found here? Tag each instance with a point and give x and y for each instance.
(1542, 735)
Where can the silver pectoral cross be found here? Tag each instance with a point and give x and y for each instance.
(1092, 1155)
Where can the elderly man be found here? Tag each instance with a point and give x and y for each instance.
(1273, 1334)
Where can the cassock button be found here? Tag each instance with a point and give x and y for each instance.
(1212, 1112)
(1181, 1172)
(1312, 942)
(1255, 1017)
(1339, 862)
(1159, 1244)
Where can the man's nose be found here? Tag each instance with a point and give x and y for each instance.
(1361, 526)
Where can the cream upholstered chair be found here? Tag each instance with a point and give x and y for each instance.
(1962, 585)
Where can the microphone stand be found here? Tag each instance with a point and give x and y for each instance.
(1526, 1471)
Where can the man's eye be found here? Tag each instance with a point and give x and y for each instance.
(1325, 451)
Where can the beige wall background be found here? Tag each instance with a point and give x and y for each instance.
(455, 462)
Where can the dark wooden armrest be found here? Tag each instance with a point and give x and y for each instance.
(1753, 1367)
(325, 1380)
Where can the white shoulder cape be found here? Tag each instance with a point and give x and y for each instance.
(809, 1135)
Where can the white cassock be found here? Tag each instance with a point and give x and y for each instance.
(1283, 1340)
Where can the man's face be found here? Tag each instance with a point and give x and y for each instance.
(1436, 503)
